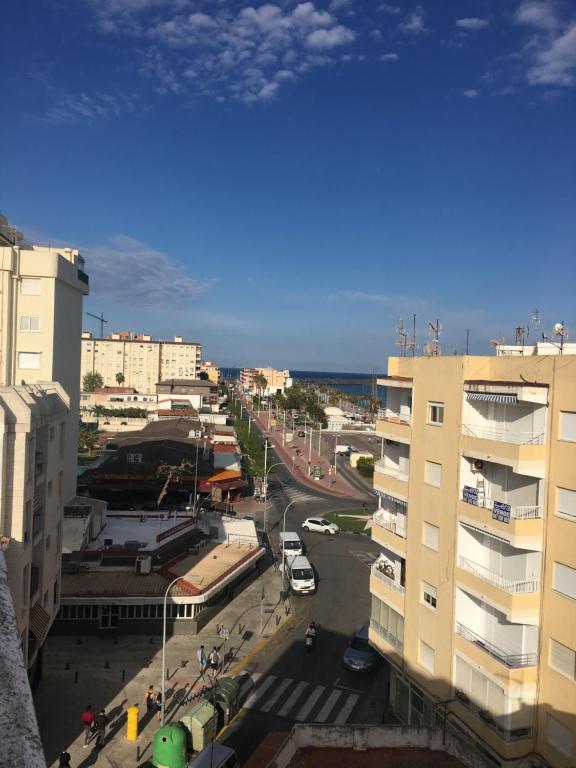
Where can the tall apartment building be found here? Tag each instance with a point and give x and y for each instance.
(474, 592)
(276, 381)
(41, 292)
(142, 360)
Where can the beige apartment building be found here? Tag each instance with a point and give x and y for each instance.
(212, 370)
(41, 292)
(276, 381)
(142, 360)
(474, 592)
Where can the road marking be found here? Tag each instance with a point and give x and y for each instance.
(346, 710)
(253, 698)
(276, 695)
(310, 702)
(345, 687)
(249, 683)
(322, 716)
(294, 696)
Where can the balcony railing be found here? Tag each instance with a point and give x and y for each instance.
(503, 435)
(391, 471)
(83, 277)
(512, 660)
(387, 414)
(525, 512)
(385, 635)
(508, 585)
(399, 529)
(517, 734)
(390, 583)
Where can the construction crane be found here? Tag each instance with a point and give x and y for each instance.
(99, 317)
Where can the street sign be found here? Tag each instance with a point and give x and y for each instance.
(224, 633)
(317, 471)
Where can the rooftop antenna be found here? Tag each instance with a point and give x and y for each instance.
(401, 341)
(99, 317)
(562, 332)
(432, 347)
(412, 343)
(535, 319)
(521, 332)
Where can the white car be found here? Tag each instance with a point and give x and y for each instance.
(319, 525)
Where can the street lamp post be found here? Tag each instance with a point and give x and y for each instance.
(164, 646)
(196, 480)
(266, 473)
(310, 447)
(283, 549)
(335, 456)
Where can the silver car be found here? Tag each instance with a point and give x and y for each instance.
(319, 525)
(360, 656)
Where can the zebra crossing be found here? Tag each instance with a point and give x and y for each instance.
(368, 558)
(297, 494)
(298, 700)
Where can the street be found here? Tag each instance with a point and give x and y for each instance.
(291, 685)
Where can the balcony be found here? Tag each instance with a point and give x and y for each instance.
(503, 434)
(395, 524)
(83, 277)
(507, 735)
(386, 636)
(395, 417)
(511, 660)
(500, 509)
(515, 587)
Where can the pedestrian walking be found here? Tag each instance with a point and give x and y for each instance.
(87, 721)
(214, 662)
(202, 661)
(158, 703)
(150, 699)
(101, 721)
(64, 760)
(310, 637)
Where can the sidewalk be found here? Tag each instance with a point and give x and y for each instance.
(298, 465)
(115, 674)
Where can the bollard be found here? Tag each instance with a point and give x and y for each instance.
(132, 723)
(137, 753)
(76, 676)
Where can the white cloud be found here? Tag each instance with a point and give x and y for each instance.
(389, 57)
(393, 10)
(413, 23)
(325, 39)
(556, 63)
(73, 109)
(540, 14)
(153, 276)
(470, 93)
(226, 52)
(472, 23)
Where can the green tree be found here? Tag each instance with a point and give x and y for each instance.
(87, 440)
(203, 375)
(92, 381)
(120, 378)
(365, 466)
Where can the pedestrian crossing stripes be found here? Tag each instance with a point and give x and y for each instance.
(299, 700)
(296, 494)
(367, 558)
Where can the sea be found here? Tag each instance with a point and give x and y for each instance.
(348, 383)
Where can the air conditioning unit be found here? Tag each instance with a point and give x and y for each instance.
(477, 465)
(163, 516)
(143, 565)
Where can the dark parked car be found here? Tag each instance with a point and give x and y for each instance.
(360, 656)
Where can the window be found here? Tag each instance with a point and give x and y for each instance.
(48, 540)
(387, 621)
(27, 520)
(564, 580)
(562, 659)
(56, 592)
(29, 360)
(59, 537)
(567, 426)
(559, 736)
(427, 656)
(25, 585)
(436, 413)
(31, 286)
(432, 473)
(429, 594)
(134, 458)
(566, 502)
(51, 434)
(61, 486)
(29, 323)
(431, 536)
(62, 438)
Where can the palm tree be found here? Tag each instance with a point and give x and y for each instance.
(261, 382)
(120, 378)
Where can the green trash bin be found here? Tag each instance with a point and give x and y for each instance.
(227, 691)
(169, 747)
(202, 722)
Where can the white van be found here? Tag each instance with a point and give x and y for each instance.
(216, 756)
(290, 544)
(301, 575)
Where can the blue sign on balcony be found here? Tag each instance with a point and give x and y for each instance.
(501, 512)
(470, 495)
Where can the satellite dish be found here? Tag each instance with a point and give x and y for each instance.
(559, 329)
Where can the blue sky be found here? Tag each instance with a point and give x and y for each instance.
(283, 181)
